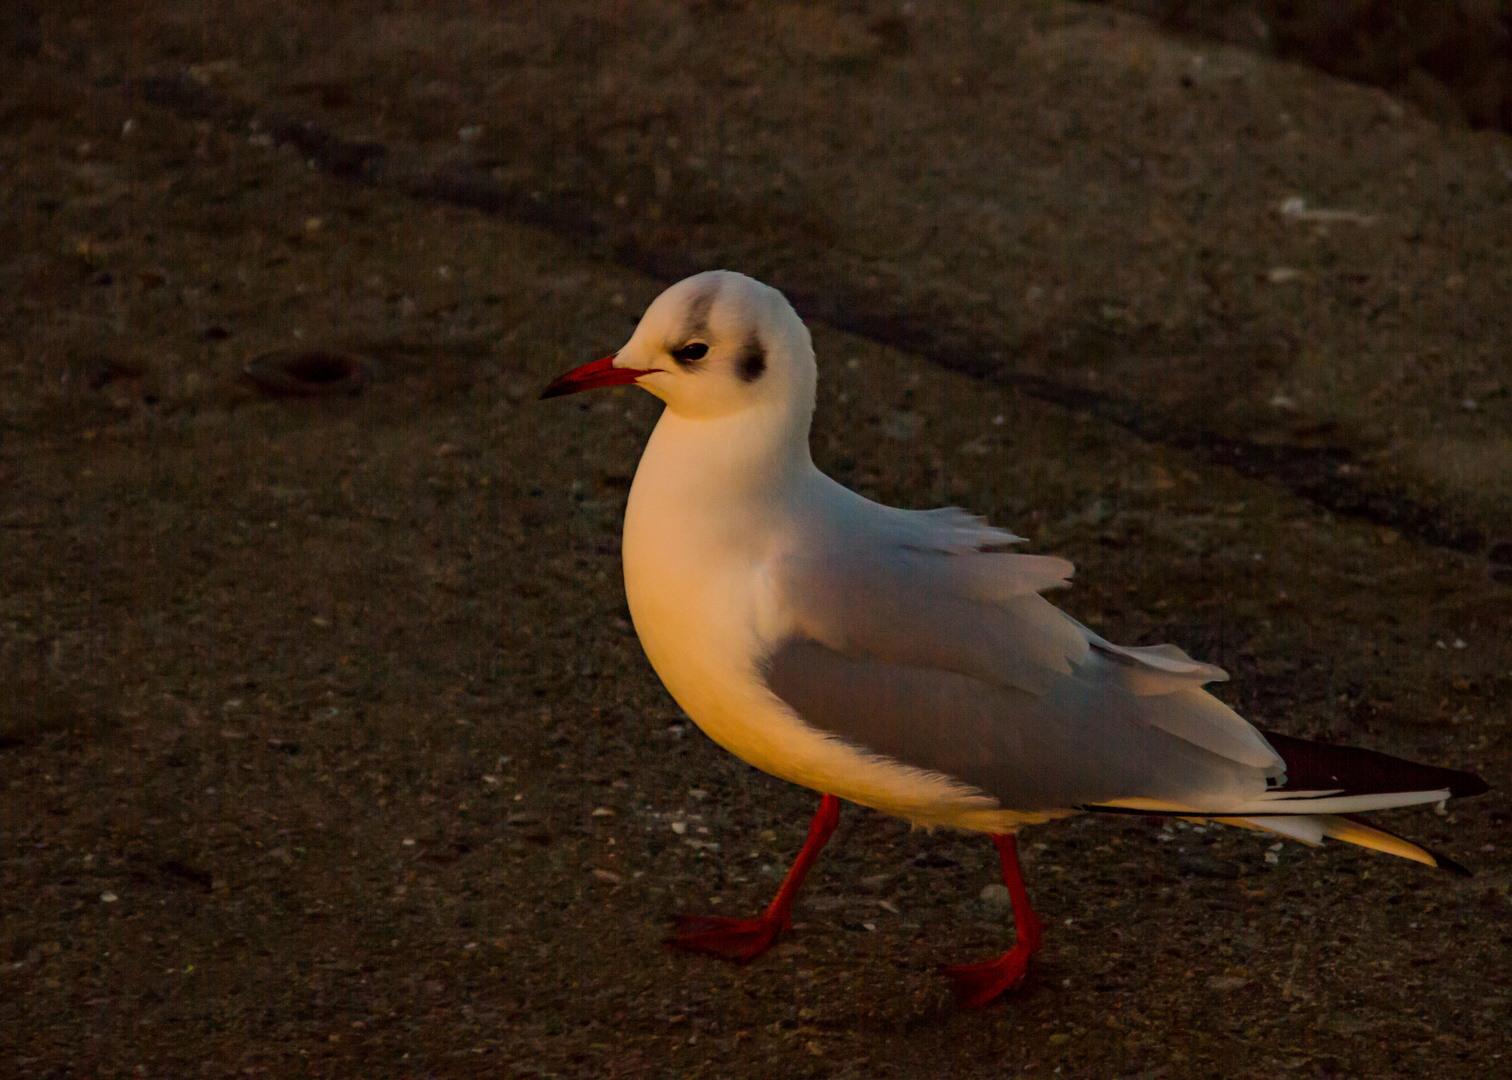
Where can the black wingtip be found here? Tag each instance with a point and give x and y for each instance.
(1357, 771)
(1444, 862)
(1468, 785)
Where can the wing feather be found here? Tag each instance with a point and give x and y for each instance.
(942, 654)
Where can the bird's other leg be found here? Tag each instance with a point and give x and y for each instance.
(745, 939)
(977, 984)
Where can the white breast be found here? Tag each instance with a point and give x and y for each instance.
(706, 612)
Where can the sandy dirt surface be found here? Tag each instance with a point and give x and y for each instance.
(327, 748)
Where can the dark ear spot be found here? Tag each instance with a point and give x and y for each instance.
(752, 362)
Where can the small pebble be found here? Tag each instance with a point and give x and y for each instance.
(996, 896)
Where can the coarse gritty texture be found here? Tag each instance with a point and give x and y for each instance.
(327, 749)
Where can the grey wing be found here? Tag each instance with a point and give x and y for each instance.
(1081, 743)
(949, 660)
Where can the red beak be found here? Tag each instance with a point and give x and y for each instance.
(591, 376)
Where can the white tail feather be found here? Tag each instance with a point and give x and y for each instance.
(1288, 804)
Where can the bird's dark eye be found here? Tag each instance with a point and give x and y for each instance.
(690, 353)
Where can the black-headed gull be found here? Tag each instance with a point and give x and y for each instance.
(901, 659)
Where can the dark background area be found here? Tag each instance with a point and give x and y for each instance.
(1453, 60)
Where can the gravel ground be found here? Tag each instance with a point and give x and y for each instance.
(327, 747)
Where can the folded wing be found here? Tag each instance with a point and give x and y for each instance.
(916, 638)
(914, 641)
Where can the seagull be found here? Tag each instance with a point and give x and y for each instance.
(905, 660)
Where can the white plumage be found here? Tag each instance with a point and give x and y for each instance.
(902, 659)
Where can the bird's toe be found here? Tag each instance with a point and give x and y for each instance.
(738, 940)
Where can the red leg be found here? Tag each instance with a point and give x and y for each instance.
(745, 939)
(977, 984)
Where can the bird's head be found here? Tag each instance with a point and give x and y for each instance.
(712, 345)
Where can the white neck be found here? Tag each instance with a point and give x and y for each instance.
(746, 459)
